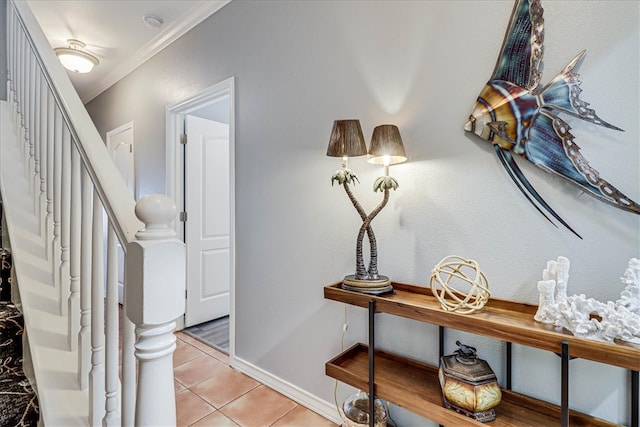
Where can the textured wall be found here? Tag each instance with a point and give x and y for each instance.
(420, 65)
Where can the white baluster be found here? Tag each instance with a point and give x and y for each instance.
(15, 54)
(23, 94)
(14, 71)
(37, 140)
(65, 214)
(96, 375)
(11, 48)
(23, 101)
(27, 109)
(21, 71)
(45, 119)
(155, 269)
(31, 107)
(9, 51)
(51, 131)
(128, 369)
(111, 416)
(15, 28)
(14, 67)
(84, 337)
(75, 248)
(19, 81)
(57, 189)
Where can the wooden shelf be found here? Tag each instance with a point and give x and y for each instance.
(414, 385)
(499, 319)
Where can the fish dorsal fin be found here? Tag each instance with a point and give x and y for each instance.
(563, 94)
(521, 54)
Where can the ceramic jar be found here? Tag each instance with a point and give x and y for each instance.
(469, 385)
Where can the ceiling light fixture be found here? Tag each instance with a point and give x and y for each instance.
(153, 21)
(75, 59)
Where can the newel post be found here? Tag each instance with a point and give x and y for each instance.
(154, 292)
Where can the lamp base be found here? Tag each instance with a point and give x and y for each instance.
(379, 286)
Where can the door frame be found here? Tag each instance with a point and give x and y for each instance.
(134, 191)
(119, 130)
(175, 174)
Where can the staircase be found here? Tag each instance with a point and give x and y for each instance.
(67, 210)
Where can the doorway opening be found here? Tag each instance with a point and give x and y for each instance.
(201, 180)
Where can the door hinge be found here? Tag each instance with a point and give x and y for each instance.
(183, 217)
(183, 138)
(185, 294)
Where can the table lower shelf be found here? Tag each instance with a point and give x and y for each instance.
(414, 385)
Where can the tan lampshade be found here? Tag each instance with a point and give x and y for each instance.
(386, 144)
(346, 139)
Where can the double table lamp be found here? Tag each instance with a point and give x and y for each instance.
(386, 149)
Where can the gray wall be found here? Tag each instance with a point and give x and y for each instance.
(420, 65)
(3, 49)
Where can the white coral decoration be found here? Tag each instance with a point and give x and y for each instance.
(587, 317)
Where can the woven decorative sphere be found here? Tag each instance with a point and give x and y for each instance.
(459, 285)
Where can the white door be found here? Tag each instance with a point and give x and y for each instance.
(120, 146)
(207, 226)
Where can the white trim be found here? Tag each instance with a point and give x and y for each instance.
(120, 129)
(175, 172)
(306, 399)
(125, 127)
(174, 116)
(194, 16)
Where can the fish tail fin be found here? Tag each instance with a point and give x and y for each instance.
(563, 94)
(527, 189)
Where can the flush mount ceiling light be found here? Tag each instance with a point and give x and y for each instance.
(153, 21)
(75, 59)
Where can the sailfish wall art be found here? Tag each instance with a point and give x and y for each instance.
(519, 117)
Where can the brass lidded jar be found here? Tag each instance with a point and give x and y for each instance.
(469, 385)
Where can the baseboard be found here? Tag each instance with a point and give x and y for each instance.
(295, 393)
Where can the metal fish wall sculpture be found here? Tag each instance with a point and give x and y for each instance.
(519, 117)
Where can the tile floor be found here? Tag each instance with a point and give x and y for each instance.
(210, 393)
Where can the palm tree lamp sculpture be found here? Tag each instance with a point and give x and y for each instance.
(386, 149)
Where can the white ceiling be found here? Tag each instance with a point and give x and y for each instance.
(115, 32)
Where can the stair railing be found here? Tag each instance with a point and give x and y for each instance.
(74, 182)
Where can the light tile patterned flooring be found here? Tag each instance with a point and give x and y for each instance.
(211, 393)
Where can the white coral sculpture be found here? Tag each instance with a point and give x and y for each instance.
(587, 317)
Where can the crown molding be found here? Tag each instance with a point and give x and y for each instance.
(194, 16)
